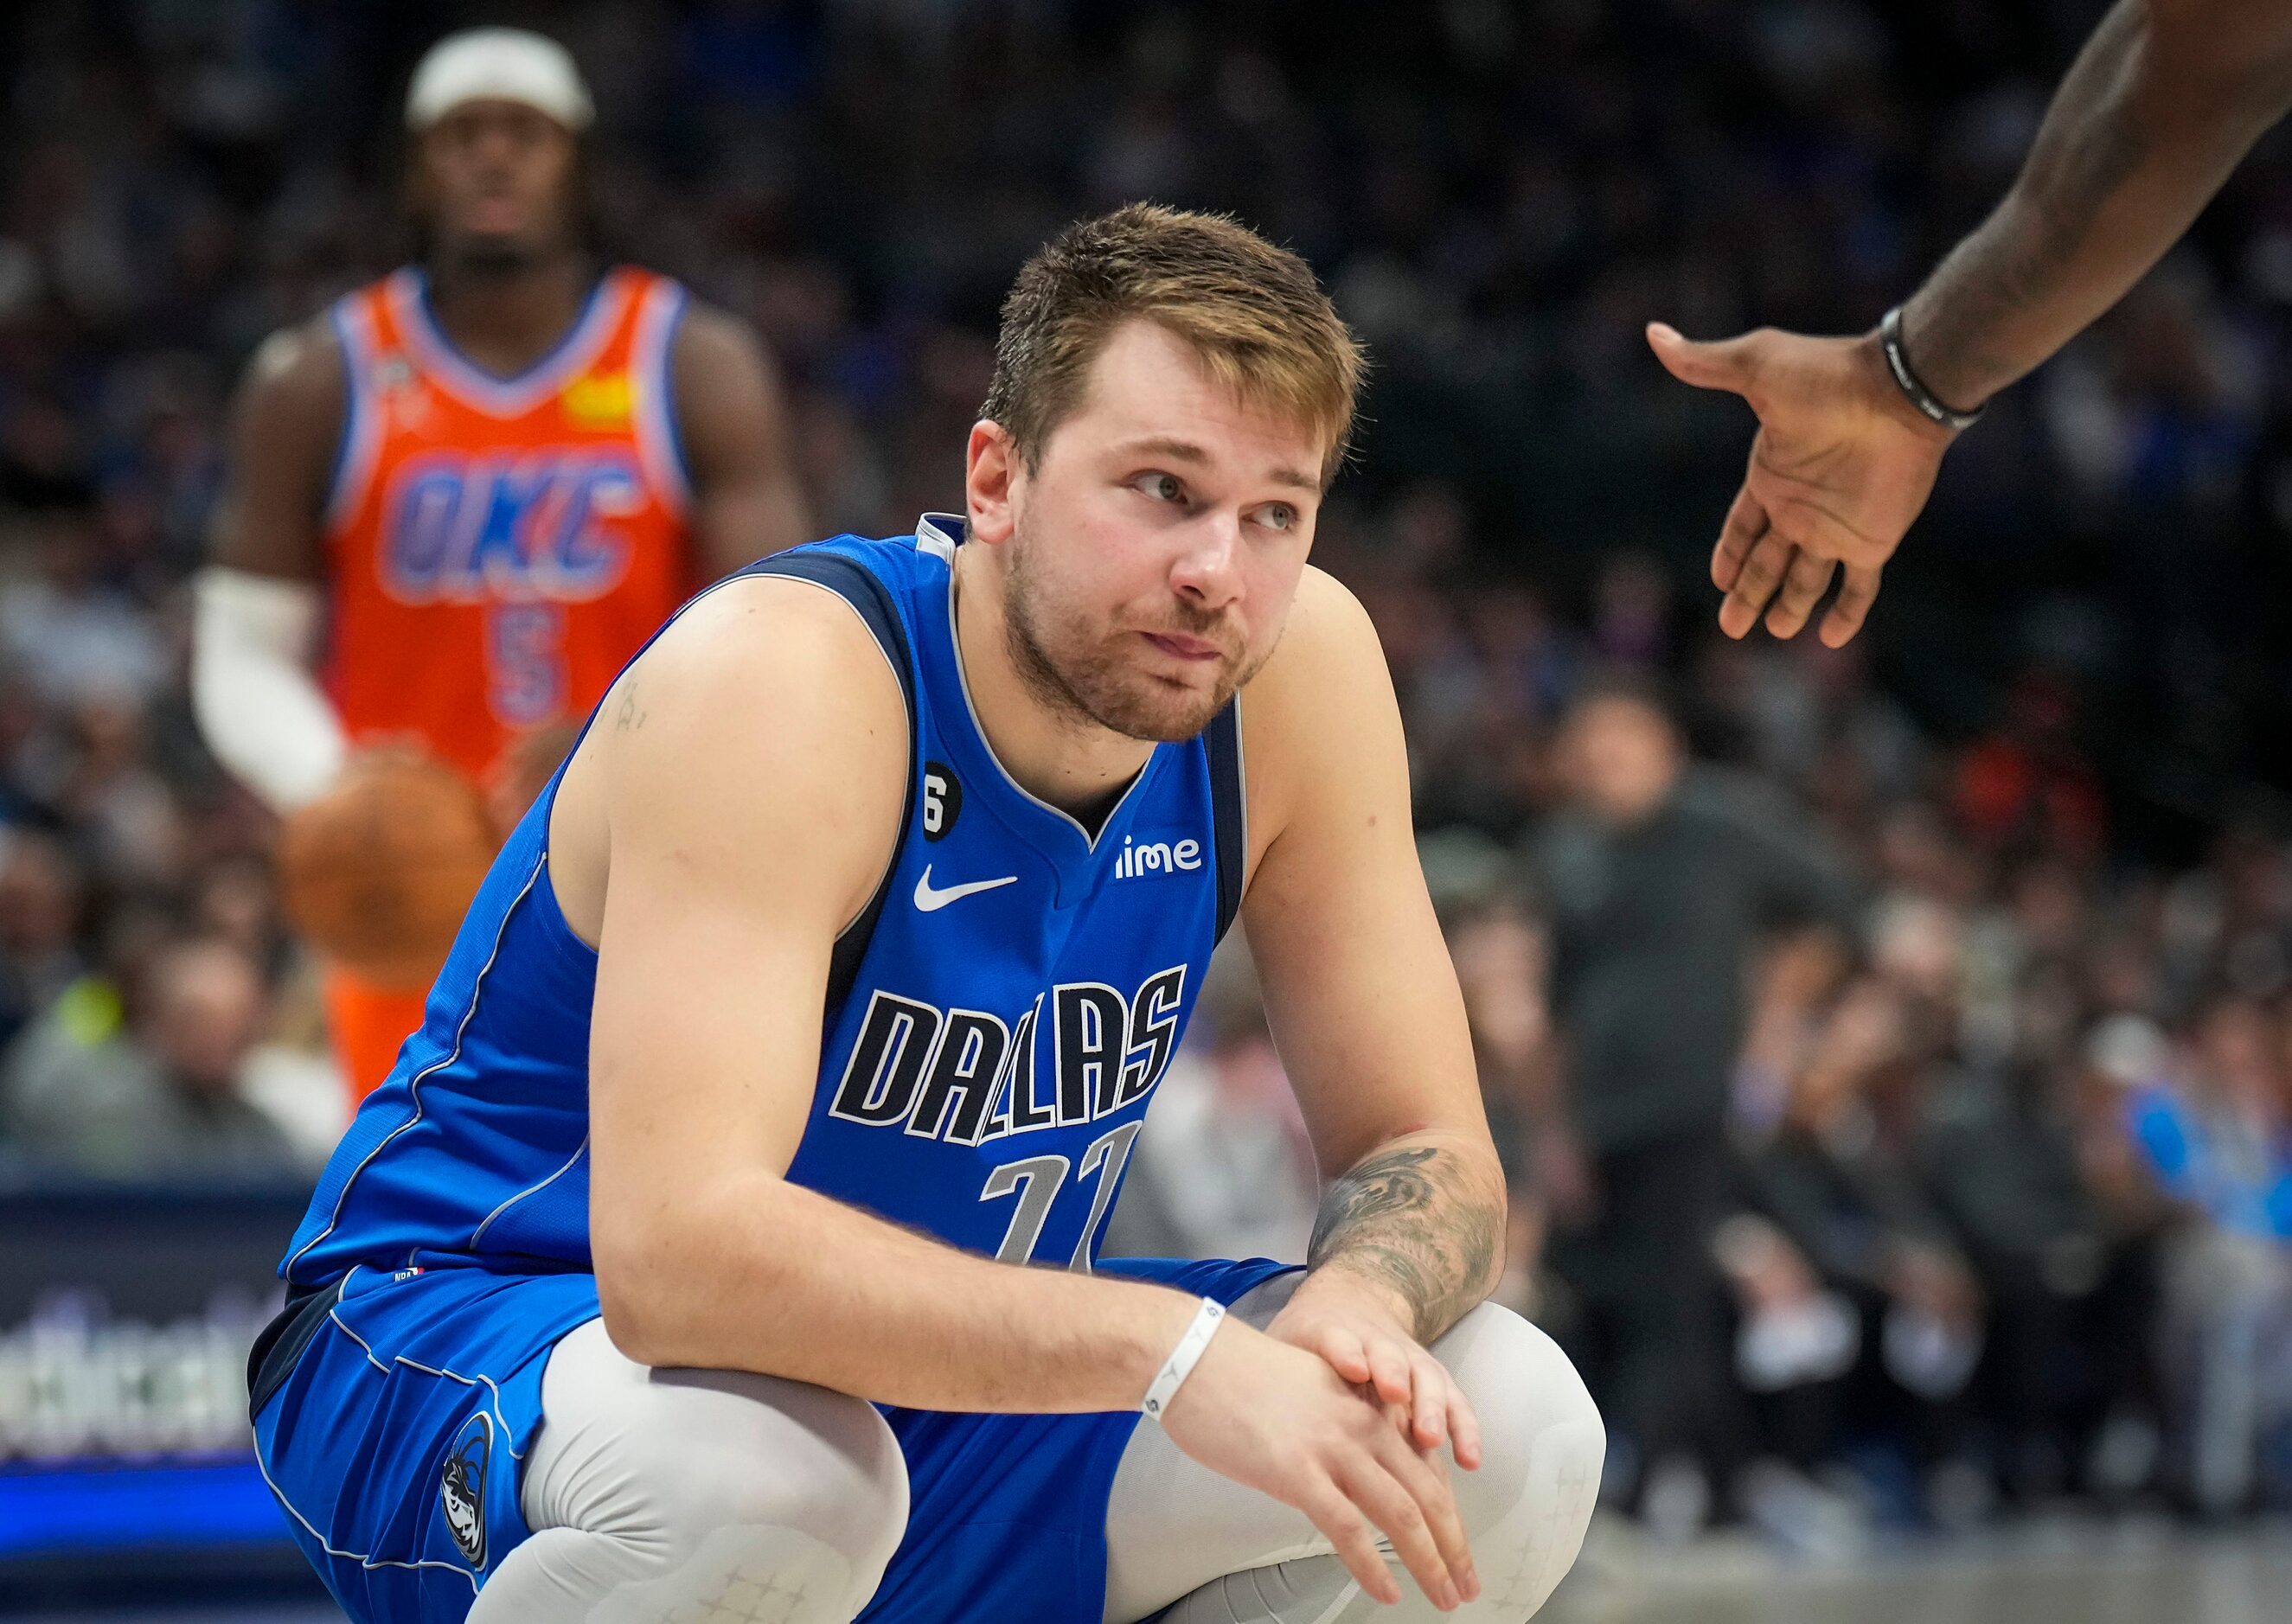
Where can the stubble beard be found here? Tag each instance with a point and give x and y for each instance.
(1098, 688)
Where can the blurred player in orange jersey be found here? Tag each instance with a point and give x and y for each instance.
(467, 493)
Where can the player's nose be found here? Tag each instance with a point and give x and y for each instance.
(1208, 571)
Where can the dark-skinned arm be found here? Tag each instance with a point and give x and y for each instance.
(2163, 101)
(746, 501)
(285, 425)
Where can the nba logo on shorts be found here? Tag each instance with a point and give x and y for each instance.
(463, 1490)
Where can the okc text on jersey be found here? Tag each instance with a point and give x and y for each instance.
(517, 527)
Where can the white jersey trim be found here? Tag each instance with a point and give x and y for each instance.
(362, 1559)
(963, 680)
(361, 440)
(414, 1088)
(505, 398)
(652, 382)
(478, 1234)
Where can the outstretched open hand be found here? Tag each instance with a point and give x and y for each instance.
(1841, 465)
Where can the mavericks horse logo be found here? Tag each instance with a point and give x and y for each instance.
(463, 1491)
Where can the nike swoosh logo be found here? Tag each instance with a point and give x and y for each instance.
(928, 901)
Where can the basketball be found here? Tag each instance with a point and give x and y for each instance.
(378, 872)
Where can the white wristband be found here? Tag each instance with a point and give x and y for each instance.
(1183, 1358)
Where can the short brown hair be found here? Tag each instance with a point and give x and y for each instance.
(1252, 311)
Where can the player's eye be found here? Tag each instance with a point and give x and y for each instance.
(1160, 486)
(1278, 516)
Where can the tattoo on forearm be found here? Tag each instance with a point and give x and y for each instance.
(1411, 1218)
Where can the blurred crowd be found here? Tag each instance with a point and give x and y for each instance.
(1884, 1149)
(1892, 1047)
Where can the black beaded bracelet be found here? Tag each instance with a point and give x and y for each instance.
(1898, 362)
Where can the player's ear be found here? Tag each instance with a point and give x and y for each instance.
(990, 468)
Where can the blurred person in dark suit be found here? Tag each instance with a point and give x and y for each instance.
(159, 1097)
(1663, 883)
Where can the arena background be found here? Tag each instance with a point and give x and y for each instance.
(2048, 787)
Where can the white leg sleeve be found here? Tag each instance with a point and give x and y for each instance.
(1175, 1529)
(668, 1495)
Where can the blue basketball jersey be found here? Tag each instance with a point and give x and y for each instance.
(996, 1020)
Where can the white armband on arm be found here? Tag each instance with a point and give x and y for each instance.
(258, 706)
(1184, 1357)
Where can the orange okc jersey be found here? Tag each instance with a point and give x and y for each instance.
(500, 546)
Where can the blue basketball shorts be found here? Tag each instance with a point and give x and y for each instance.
(395, 1442)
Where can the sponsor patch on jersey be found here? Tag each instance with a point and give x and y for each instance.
(1144, 855)
(600, 400)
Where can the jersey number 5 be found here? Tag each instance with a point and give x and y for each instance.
(525, 663)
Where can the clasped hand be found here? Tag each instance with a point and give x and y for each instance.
(1336, 1409)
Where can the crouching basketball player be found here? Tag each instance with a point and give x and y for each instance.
(678, 1270)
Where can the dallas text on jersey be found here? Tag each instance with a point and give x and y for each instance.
(968, 1076)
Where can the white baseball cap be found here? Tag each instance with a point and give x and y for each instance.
(498, 65)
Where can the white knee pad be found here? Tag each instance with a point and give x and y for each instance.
(1232, 1556)
(1543, 1445)
(727, 1449)
(714, 1489)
